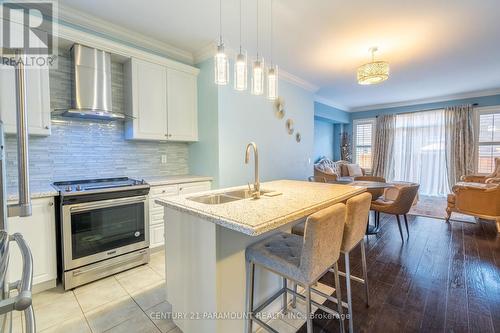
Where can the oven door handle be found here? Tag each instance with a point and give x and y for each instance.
(106, 204)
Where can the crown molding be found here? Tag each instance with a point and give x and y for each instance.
(291, 78)
(471, 94)
(329, 102)
(74, 16)
(209, 50)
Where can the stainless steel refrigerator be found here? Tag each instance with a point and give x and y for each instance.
(16, 296)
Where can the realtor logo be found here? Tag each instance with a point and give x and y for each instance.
(28, 29)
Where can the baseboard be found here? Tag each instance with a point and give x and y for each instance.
(38, 288)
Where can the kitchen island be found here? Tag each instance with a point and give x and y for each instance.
(205, 246)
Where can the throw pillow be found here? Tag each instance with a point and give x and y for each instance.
(354, 170)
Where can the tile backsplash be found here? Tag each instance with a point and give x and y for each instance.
(80, 149)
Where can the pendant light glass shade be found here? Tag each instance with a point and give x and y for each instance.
(258, 77)
(240, 72)
(272, 82)
(221, 66)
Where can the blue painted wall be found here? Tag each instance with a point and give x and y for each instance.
(204, 154)
(332, 114)
(329, 122)
(482, 101)
(324, 139)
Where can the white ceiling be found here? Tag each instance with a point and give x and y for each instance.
(434, 47)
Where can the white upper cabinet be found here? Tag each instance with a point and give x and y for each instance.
(182, 106)
(37, 104)
(147, 100)
(162, 102)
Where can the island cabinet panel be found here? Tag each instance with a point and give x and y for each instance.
(39, 232)
(161, 102)
(37, 100)
(214, 281)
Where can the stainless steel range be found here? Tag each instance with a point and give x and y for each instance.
(103, 228)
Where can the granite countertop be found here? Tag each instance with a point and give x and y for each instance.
(169, 180)
(36, 192)
(254, 217)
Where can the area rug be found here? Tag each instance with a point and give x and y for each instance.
(436, 207)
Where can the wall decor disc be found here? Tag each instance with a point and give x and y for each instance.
(298, 137)
(279, 108)
(289, 126)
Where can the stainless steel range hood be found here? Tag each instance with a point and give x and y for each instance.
(91, 86)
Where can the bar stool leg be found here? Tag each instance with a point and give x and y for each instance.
(365, 272)
(308, 310)
(285, 298)
(348, 284)
(250, 285)
(294, 298)
(338, 294)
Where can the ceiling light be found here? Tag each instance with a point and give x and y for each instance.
(272, 72)
(258, 76)
(258, 66)
(272, 82)
(221, 63)
(373, 72)
(240, 67)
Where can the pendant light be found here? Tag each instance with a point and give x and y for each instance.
(221, 63)
(373, 72)
(258, 66)
(240, 67)
(272, 71)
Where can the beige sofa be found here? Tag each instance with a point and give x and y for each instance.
(331, 170)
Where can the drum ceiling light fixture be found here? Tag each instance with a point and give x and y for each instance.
(373, 72)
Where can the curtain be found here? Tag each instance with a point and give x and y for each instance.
(459, 142)
(383, 146)
(419, 151)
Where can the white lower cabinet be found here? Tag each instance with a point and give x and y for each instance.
(156, 223)
(157, 236)
(39, 232)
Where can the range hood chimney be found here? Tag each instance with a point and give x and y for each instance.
(91, 86)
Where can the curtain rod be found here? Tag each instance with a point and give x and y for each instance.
(423, 110)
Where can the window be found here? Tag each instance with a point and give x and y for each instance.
(363, 134)
(488, 123)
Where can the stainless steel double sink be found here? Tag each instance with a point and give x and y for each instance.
(224, 197)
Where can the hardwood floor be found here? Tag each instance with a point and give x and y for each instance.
(444, 278)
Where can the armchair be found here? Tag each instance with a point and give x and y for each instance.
(493, 177)
(476, 199)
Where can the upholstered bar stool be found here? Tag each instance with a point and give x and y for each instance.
(356, 220)
(303, 260)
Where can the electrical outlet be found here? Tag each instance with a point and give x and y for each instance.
(163, 159)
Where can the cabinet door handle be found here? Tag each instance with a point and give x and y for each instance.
(46, 127)
(51, 204)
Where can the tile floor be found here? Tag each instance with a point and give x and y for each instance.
(120, 303)
(125, 302)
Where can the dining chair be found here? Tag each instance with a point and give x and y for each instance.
(401, 205)
(317, 179)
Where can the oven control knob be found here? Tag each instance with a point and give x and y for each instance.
(68, 189)
(79, 187)
(137, 234)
